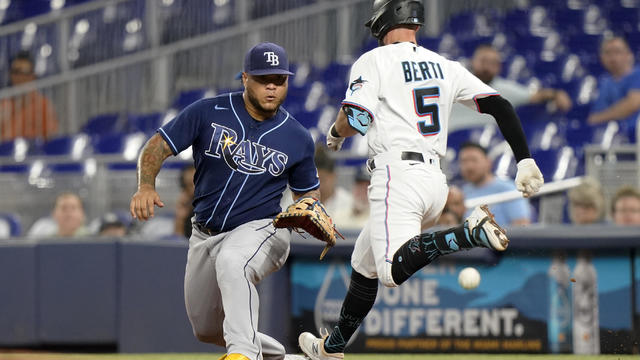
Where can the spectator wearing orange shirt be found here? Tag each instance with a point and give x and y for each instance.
(30, 115)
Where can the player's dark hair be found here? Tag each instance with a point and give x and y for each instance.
(23, 55)
(473, 145)
(623, 192)
(607, 40)
(484, 46)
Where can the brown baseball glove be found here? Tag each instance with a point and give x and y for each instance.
(309, 215)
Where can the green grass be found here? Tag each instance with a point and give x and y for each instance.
(53, 356)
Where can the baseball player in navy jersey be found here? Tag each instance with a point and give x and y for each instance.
(400, 95)
(246, 150)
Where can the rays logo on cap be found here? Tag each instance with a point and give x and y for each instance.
(272, 58)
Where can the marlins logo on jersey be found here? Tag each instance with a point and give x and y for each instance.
(357, 84)
(246, 157)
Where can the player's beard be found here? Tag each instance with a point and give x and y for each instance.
(255, 102)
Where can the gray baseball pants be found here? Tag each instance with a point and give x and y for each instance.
(219, 286)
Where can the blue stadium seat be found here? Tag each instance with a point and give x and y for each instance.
(13, 222)
(469, 45)
(127, 145)
(186, 98)
(103, 124)
(108, 33)
(111, 143)
(147, 123)
(546, 136)
(204, 15)
(19, 148)
(563, 69)
(518, 68)
(309, 119)
(74, 146)
(570, 21)
(336, 80)
(517, 22)
(431, 43)
(461, 25)
(7, 148)
(587, 46)
(61, 145)
(547, 161)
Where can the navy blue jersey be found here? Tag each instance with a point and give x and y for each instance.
(242, 165)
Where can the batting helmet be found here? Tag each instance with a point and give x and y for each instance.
(390, 13)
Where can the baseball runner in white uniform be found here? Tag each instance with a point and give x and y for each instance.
(400, 95)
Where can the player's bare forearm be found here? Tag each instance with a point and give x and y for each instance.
(620, 110)
(342, 125)
(313, 193)
(153, 154)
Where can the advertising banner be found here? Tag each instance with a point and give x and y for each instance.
(546, 302)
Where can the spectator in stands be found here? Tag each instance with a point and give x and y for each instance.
(475, 168)
(454, 208)
(625, 206)
(360, 204)
(619, 90)
(29, 115)
(586, 203)
(68, 219)
(184, 206)
(337, 200)
(112, 226)
(455, 202)
(448, 218)
(486, 64)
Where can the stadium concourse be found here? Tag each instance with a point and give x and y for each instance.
(116, 70)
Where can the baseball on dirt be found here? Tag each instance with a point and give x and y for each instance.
(469, 278)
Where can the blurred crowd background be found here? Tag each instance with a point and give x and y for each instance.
(84, 83)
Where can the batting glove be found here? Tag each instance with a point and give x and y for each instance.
(334, 142)
(528, 178)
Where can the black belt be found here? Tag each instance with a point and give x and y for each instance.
(206, 230)
(406, 155)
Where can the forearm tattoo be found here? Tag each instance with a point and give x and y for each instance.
(153, 154)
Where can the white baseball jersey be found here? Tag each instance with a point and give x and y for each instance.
(409, 91)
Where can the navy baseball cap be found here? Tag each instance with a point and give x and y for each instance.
(265, 59)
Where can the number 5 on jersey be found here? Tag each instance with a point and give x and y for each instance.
(427, 109)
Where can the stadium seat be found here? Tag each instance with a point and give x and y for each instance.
(587, 46)
(112, 143)
(125, 145)
(187, 97)
(517, 21)
(147, 123)
(547, 161)
(336, 80)
(18, 149)
(204, 15)
(61, 145)
(70, 146)
(469, 45)
(10, 225)
(103, 124)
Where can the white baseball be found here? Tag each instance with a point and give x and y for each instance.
(469, 278)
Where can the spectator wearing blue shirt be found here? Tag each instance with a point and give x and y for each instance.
(475, 167)
(619, 90)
